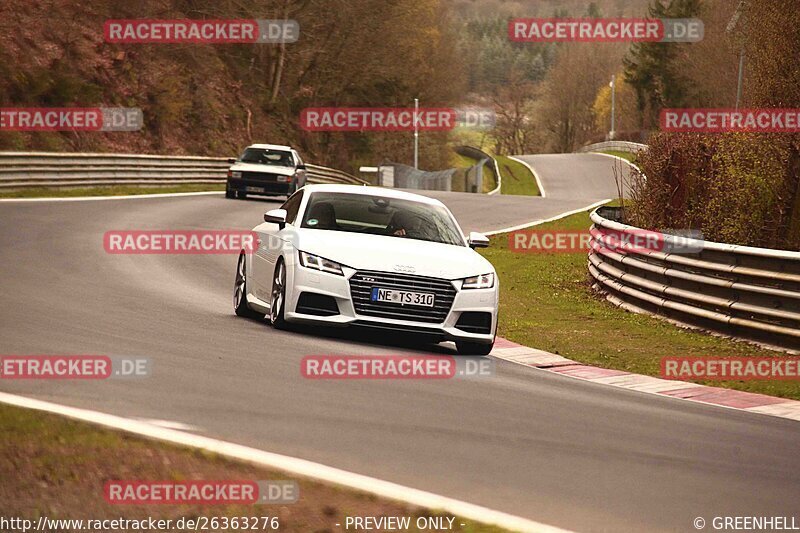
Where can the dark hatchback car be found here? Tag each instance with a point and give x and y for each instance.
(265, 170)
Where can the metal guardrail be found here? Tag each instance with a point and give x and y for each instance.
(48, 169)
(408, 177)
(318, 174)
(617, 146)
(451, 179)
(482, 157)
(739, 290)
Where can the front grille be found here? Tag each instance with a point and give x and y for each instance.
(389, 330)
(238, 184)
(363, 281)
(260, 176)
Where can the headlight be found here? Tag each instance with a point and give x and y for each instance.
(320, 263)
(235, 174)
(484, 281)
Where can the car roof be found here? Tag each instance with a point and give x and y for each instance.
(371, 191)
(270, 146)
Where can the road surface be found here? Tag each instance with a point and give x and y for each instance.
(546, 447)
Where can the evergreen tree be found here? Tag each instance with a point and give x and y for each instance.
(653, 68)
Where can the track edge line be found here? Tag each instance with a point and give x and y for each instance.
(292, 465)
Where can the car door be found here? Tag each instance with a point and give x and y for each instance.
(271, 243)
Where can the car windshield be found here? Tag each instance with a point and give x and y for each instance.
(378, 215)
(267, 156)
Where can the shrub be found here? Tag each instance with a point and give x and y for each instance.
(739, 188)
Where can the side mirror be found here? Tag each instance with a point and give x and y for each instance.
(301, 167)
(231, 160)
(276, 216)
(478, 240)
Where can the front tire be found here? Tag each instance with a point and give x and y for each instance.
(473, 348)
(277, 302)
(240, 306)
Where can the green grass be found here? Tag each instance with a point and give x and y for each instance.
(462, 161)
(546, 301)
(471, 137)
(56, 467)
(517, 179)
(115, 190)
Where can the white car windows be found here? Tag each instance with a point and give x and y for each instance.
(292, 206)
(378, 215)
(266, 156)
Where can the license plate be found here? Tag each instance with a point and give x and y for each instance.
(254, 189)
(424, 299)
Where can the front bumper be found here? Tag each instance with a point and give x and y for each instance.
(257, 186)
(304, 280)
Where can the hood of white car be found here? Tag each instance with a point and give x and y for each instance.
(270, 169)
(393, 254)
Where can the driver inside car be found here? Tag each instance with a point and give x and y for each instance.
(405, 224)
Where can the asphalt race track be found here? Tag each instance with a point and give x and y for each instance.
(550, 448)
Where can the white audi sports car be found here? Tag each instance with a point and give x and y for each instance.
(345, 255)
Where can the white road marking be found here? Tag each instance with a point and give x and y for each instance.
(291, 465)
(619, 159)
(534, 358)
(169, 424)
(499, 179)
(535, 175)
(551, 219)
(783, 410)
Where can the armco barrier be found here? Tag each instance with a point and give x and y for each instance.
(408, 177)
(46, 169)
(483, 158)
(740, 290)
(616, 146)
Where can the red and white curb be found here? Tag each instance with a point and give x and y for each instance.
(732, 399)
